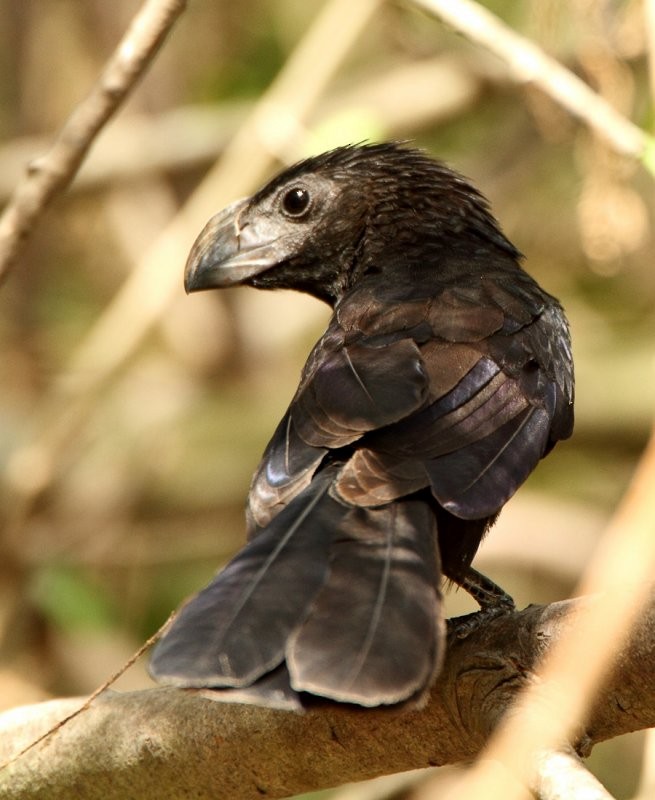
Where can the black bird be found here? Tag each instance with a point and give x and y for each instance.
(443, 377)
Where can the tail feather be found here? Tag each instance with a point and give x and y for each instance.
(373, 635)
(342, 602)
(235, 630)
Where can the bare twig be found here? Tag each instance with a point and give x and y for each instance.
(528, 63)
(86, 704)
(51, 172)
(558, 775)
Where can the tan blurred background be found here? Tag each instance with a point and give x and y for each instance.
(120, 496)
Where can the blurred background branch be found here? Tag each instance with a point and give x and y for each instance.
(51, 173)
(148, 292)
(191, 137)
(529, 64)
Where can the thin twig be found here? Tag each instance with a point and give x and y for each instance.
(86, 704)
(528, 63)
(52, 172)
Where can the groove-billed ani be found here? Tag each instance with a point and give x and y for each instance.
(443, 377)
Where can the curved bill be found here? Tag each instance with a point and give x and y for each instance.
(228, 251)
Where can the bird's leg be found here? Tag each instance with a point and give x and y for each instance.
(493, 601)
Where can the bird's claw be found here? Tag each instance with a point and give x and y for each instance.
(463, 626)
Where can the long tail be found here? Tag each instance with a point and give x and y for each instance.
(343, 600)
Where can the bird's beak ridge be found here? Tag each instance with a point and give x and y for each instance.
(228, 252)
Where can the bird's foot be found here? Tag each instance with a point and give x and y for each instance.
(464, 626)
(494, 602)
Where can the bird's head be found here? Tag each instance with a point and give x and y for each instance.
(323, 223)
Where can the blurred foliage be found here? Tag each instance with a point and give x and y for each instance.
(147, 496)
(69, 599)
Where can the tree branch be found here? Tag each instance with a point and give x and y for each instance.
(528, 63)
(562, 775)
(168, 743)
(53, 171)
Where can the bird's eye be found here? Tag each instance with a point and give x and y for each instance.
(295, 202)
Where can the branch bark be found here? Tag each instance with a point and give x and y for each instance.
(52, 172)
(168, 743)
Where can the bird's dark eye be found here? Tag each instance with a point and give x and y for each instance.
(295, 202)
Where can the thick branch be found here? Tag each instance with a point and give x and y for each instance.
(168, 743)
(52, 172)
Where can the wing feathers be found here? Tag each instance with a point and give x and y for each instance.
(372, 479)
(285, 470)
(456, 317)
(476, 480)
(352, 392)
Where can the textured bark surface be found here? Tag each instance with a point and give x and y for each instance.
(167, 743)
